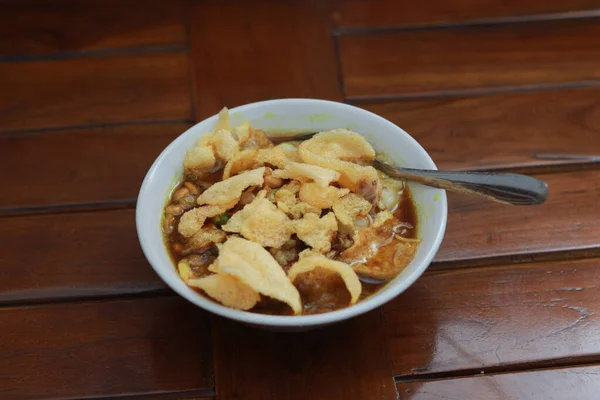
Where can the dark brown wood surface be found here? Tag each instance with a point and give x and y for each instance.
(254, 364)
(506, 56)
(56, 27)
(80, 254)
(555, 384)
(501, 131)
(74, 163)
(103, 349)
(91, 92)
(392, 13)
(480, 229)
(285, 46)
(480, 318)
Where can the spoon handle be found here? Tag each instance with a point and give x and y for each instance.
(500, 187)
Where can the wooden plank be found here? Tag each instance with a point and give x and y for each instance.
(46, 94)
(345, 361)
(60, 256)
(472, 319)
(266, 50)
(557, 384)
(103, 349)
(80, 165)
(569, 220)
(110, 262)
(475, 58)
(397, 13)
(500, 131)
(34, 27)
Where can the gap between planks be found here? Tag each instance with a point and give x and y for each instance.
(67, 55)
(49, 130)
(442, 94)
(582, 361)
(570, 15)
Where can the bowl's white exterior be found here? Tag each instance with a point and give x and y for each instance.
(304, 115)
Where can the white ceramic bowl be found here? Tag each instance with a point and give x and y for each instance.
(304, 115)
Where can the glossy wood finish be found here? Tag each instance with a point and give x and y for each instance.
(103, 349)
(75, 161)
(501, 131)
(569, 220)
(60, 256)
(91, 92)
(473, 58)
(474, 319)
(50, 94)
(554, 384)
(345, 361)
(394, 13)
(286, 48)
(32, 27)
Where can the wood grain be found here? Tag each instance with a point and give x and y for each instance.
(500, 131)
(34, 27)
(81, 165)
(60, 256)
(266, 50)
(437, 61)
(345, 361)
(487, 317)
(47, 94)
(395, 13)
(103, 349)
(569, 220)
(557, 384)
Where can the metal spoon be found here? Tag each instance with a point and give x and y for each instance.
(499, 187)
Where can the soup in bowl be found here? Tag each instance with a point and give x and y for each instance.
(247, 216)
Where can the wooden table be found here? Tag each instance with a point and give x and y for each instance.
(91, 91)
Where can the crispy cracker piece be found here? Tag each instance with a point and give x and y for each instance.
(341, 144)
(350, 208)
(257, 139)
(205, 237)
(301, 209)
(293, 186)
(339, 150)
(272, 155)
(242, 132)
(185, 272)
(224, 145)
(290, 149)
(227, 290)
(311, 262)
(317, 232)
(305, 172)
(244, 160)
(307, 253)
(368, 240)
(232, 188)
(223, 120)
(255, 267)
(261, 222)
(192, 220)
(200, 158)
(389, 260)
(390, 195)
(319, 197)
(286, 201)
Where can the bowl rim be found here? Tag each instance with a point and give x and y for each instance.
(354, 310)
